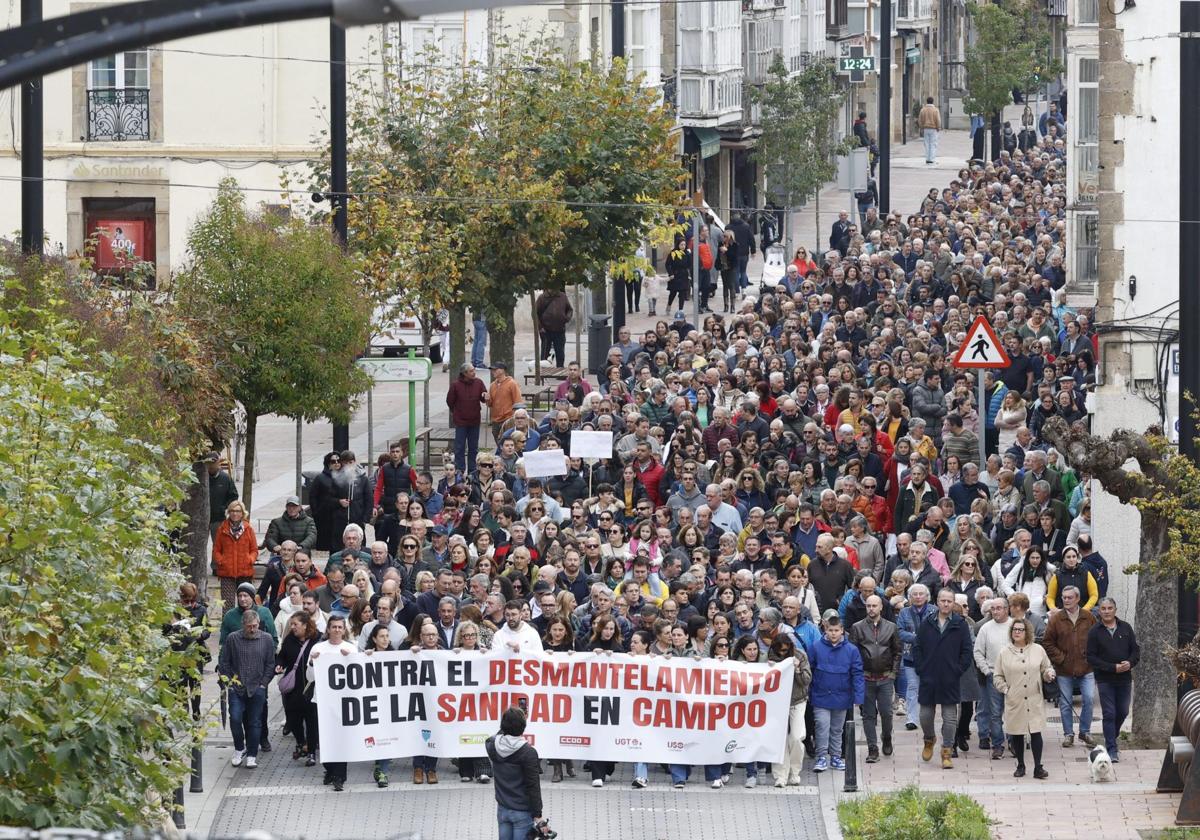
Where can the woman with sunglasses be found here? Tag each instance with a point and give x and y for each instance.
(614, 544)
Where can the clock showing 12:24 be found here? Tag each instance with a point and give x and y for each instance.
(849, 64)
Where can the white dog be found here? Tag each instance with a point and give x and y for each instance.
(1101, 765)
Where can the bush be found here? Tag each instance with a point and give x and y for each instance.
(908, 814)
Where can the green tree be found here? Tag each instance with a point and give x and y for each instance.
(94, 730)
(1145, 471)
(288, 307)
(798, 147)
(1011, 52)
(483, 184)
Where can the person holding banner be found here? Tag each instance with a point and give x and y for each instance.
(782, 649)
(335, 771)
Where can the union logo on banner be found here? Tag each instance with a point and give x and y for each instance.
(426, 734)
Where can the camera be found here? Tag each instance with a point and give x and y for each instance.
(541, 830)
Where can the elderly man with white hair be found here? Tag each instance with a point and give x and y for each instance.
(991, 637)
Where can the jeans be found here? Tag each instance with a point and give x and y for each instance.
(931, 144)
(679, 773)
(949, 723)
(742, 265)
(830, 723)
(863, 207)
(1114, 708)
(245, 720)
(1087, 688)
(989, 714)
(479, 342)
(514, 825)
(466, 447)
(877, 702)
(641, 770)
(793, 756)
(428, 763)
(911, 685)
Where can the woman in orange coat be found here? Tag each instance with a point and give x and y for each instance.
(235, 549)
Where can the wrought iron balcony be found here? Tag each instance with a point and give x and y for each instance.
(118, 115)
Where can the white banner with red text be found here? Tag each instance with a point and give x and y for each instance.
(608, 707)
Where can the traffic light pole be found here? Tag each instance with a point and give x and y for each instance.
(885, 107)
(32, 223)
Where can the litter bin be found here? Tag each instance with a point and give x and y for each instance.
(599, 340)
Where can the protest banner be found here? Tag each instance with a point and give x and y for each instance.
(585, 706)
(591, 444)
(545, 464)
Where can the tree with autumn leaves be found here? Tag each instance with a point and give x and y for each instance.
(478, 184)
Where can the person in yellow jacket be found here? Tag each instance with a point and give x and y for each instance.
(1071, 572)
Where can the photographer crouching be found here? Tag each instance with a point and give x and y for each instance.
(516, 778)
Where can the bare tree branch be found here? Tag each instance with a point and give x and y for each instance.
(1105, 458)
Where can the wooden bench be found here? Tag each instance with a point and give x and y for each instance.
(547, 373)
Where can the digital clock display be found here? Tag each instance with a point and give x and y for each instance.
(848, 64)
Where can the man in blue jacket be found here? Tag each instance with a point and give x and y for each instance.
(907, 622)
(942, 653)
(837, 685)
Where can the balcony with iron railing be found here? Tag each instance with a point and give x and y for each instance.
(118, 114)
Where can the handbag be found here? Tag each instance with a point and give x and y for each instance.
(287, 683)
(1050, 691)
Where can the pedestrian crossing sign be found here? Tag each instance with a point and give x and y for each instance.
(981, 348)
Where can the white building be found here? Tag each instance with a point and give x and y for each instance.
(1123, 124)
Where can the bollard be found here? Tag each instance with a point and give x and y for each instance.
(849, 753)
(177, 812)
(197, 770)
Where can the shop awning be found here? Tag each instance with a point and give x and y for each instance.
(709, 140)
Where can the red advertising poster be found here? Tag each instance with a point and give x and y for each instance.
(120, 243)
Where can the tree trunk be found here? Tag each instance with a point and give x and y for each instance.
(248, 462)
(458, 337)
(195, 533)
(503, 335)
(1157, 620)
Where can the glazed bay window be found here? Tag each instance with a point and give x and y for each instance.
(118, 97)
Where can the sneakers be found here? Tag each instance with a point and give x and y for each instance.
(751, 781)
(597, 783)
(717, 784)
(679, 786)
(872, 754)
(465, 779)
(985, 744)
(1068, 740)
(794, 779)
(900, 707)
(238, 757)
(1087, 738)
(381, 779)
(484, 778)
(837, 763)
(1114, 756)
(725, 778)
(251, 762)
(910, 726)
(997, 753)
(339, 785)
(639, 783)
(780, 781)
(311, 761)
(821, 765)
(265, 746)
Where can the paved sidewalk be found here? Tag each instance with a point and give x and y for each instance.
(1064, 806)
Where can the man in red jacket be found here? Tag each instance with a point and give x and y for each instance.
(464, 398)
